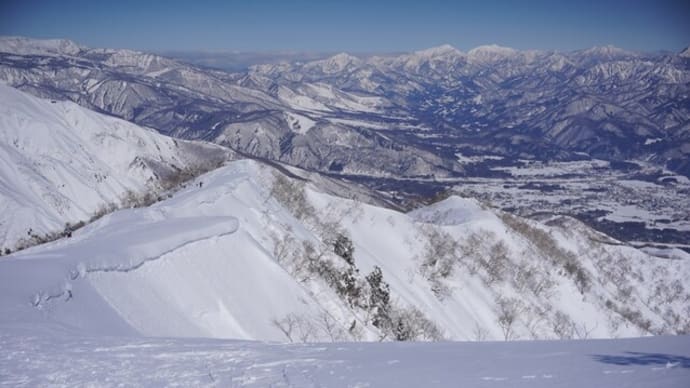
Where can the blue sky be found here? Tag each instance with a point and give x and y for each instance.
(355, 26)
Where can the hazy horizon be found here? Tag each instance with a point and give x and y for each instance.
(354, 27)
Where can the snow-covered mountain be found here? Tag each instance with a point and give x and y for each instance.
(28, 46)
(261, 250)
(61, 163)
(602, 102)
(248, 253)
(397, 123)
(184, 101)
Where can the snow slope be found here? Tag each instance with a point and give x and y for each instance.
(231, 256)
(60, 162)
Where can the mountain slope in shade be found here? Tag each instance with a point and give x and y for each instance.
(61, 163)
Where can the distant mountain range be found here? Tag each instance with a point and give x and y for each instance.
(387, 116)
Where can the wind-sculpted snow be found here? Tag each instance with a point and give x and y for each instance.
(49, 277)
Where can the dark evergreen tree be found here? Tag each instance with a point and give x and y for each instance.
(343, 247)
(379, 299)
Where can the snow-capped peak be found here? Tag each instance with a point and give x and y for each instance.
(491, 52)
(608, 51)
(336, 63)
(442, 50)
(29, 46)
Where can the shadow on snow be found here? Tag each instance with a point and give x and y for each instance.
(640, 358)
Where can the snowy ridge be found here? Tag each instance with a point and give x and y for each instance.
(28, 46)
(54, 169)
(227, 258)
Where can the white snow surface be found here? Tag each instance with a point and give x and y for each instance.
(67, 360)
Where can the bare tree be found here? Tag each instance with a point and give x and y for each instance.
(583, 331)
(508, 311)
(287, 325)
(331, 327)
(479, 332)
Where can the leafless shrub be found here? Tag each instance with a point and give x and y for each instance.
(497, 263)
(633, 316)
(534, 318)
(331, 328)
(342, 278)
(668, 293)
(438, 259)
(549, 247)
(583, 330)
(533, 278)
(284, 248)
(286, 325)
(296, 328)
(291, 194)
(410, 324)
(471, 249)
(479, 333)
(563, 326)
(508, 312)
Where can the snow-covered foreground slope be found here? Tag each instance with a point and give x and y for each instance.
(62, 163)
(244, 253)
(29, 360)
